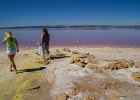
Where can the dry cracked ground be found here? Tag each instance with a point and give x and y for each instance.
(75, 73)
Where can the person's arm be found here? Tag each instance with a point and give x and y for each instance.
(16, 45)
(3, 41)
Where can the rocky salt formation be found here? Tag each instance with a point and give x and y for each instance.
(86, 58)
(100, 82)
(97, 70)
(91, 59)
(80, 64)
(62, 96)
(119, 64)
(83, 55)
(116, 96)
(74, 60)
(74, 52)
(75, 91)
(92, 96)
(136, 76)
(83, 59)
(110, 85)
(57, 54)
(136, 65)
(94, 67)
(66, 49)
(78, 61)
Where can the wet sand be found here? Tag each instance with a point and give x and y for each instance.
(62, 80)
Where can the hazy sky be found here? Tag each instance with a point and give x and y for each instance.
(69, 12)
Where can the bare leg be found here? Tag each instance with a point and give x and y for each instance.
(11, 67)
(48, 52)
(10, 58)
(43, 54)
(12, 63)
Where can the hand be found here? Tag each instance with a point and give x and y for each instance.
(40, 44)
(3, 42)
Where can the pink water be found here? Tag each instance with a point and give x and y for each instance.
(77, 37)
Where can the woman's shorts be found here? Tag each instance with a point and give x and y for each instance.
(10, 52)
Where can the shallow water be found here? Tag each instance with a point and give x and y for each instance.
(77, 37)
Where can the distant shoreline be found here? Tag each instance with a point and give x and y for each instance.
(75, 27)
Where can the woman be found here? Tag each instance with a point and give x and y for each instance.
(44, 45)
(11, 49)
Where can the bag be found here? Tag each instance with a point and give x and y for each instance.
(41, 50)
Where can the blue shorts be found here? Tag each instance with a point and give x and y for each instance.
(12, 51)
(42, 49)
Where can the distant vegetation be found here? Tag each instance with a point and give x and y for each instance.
(74, 26)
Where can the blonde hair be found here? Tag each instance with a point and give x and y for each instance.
(8, 34)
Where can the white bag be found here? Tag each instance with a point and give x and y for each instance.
(40, 50)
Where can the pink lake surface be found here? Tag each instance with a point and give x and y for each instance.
(77, 37)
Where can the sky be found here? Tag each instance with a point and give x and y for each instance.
(69, 12)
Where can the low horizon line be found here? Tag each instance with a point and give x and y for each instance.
(63, 25)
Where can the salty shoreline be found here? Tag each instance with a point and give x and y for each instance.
(59, 76)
